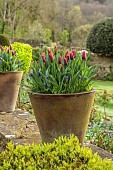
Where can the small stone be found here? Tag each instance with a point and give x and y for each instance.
(10, 136)
(23, 114)
(2, 113)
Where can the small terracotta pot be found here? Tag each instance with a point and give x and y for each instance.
(9, 88)
(62, 114)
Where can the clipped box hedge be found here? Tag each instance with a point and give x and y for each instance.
(100, 38)
(64, 153)
(24, 53)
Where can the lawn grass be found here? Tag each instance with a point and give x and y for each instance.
(104, 85)
(100, 86)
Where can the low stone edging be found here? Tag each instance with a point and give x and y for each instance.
(21, 127)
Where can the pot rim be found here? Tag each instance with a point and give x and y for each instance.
(68, 94)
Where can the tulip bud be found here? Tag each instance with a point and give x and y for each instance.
(59, 60)
(51, 56)
(71, 56)
(43, 54)
(67, 52)
(44, 59)
(10, 47)
(49, 51)
(65, 61)
(68, 56)
(8, 50)
(13, 53)
(55, 47)
(74, 53)
(84, 54)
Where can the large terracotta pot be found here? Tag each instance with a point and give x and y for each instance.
(9, 88)
(62, 114)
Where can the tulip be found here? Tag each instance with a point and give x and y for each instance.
(43, 54)
(44, 59)
(67, 52)
(10, 47)
(84, 54)
(56, 48)
(49, 51)
(74, 53)
(71, 56)
(51, 56)
(59, 60)
(65, 61)
(8, 50)
(13, 52)
(68, 56)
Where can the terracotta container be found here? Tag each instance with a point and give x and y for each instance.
(9, 88)
(62, 114)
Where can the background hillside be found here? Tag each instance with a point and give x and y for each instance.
(45, 20)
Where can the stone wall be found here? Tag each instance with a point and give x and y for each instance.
(32, 42)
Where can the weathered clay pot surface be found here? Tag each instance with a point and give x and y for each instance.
(62, 114)
(9, 88)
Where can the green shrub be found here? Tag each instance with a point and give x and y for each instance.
(24, 52)
(36, 53)
(100, 38)
(79, 35)
(4, 41)
(64, 37)
(48, 36)
(109, 77)
(64, 153)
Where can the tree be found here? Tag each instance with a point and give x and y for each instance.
(14, 13)
(9, 12)
(48, 16)
(64, 38)
(73, 18)
(79, 35)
